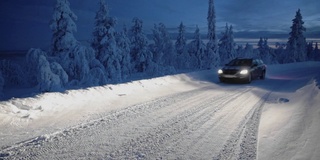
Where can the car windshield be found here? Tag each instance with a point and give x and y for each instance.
(240, 62)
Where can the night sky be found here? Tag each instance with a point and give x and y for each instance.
(25, 23)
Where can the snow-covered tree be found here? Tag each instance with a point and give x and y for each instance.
(227, 45)
(163, 49)
(63, 26)
(263, 49)
(76, 64)
(181, 39)
(240, 51)
(280, 52)
(32, 59)
(103, 29)
(157, 48)
(183, 56)
(97, 74)
(104, 43)
(212, 57)
(266, 53)
(97, 77)
(141, 56)
(47, 81)
(261, 43)
(123, 43)
(296, 45)
(310, 51)
(197, 51)
(43, 74)
(248, 50)
(57, 69)
(71, 55)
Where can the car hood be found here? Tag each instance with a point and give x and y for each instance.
(235, 67)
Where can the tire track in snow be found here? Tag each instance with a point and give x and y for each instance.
(163, 122)
(242, 143)
(199, 119)
(200, 143)
(109, 121)
(173, 129)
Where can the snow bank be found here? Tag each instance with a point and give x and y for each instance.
(289, 127)
(49, 112)
(59, 101)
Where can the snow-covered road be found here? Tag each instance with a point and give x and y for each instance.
(199, 119)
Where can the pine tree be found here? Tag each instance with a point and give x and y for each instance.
(66, 50)
(296, 45)
(158, 47)
(140, 54)
(260, 43)
(310, 51)
(263, 47)
(104, 43)
(181, 48)
(227, 45)
(164, 54)
(63, 27)
(181, 39)
(76, 65)
(248, 50)
(123, 43)
(197, 50)
(279, 52)
(266, 53)
(213, 57)
(47, 80)
(104, 26)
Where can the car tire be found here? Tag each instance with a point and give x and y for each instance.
(249, 79)
(221, 80)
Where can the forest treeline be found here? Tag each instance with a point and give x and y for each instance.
(116, 56)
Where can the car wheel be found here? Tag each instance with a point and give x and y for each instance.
(221, 80)
(249, 78)
(263, 75)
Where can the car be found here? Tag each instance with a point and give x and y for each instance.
(245, 69)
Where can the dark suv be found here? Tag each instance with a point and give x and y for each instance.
(244, 69)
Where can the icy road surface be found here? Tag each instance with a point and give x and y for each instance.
(201, 123)
(209, 121)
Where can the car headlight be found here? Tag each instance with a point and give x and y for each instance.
(220, 71)
(245, 71)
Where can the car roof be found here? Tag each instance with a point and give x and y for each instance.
(241, 58)
(244, 58)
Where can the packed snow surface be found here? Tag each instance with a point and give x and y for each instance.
(184, 116)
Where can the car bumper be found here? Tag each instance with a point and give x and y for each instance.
(232, 76)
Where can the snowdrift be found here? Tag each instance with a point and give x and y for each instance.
(288, 127)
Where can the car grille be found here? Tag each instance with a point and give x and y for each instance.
(230, 71)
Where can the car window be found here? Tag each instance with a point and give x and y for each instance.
(240, 62)
(255, 62)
